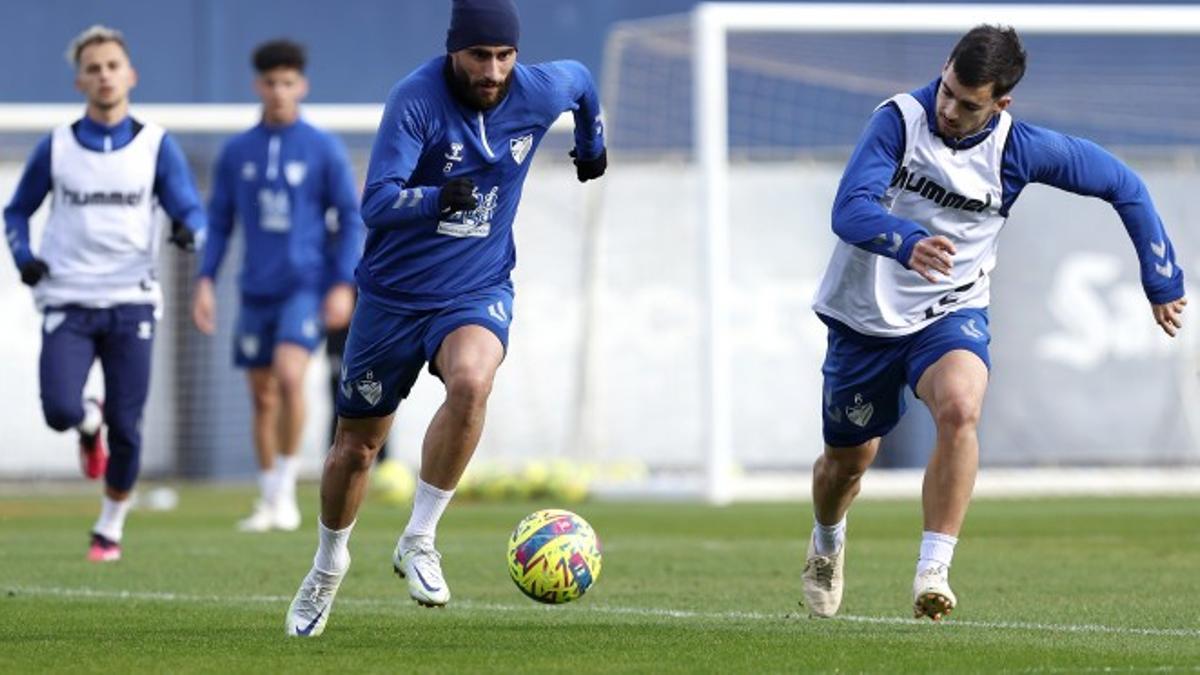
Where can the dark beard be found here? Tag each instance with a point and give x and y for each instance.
(460, 85)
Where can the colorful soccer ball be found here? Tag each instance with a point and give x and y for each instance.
(553, 556)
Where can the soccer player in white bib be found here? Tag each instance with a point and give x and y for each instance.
(906, 292)
(453, 150)
(278, 180)
(94, 275)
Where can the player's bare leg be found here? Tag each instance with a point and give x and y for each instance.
(467, 361)
(953, 388)
(343, 485)
(289, 364)
(837, 476)
(264, 393)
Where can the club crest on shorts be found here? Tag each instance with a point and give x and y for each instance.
(520, 147)
(860, 413)
(249, 346)
(370, 389)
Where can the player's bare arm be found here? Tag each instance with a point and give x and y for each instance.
(204, 307)
(338, 306)
(932, 256)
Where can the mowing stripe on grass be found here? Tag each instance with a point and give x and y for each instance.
(156, 596)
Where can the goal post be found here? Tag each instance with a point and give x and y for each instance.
(711, 26)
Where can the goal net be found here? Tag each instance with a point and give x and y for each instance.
(730, 128)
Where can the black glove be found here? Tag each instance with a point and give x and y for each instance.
(33, 271)
(458, 194)
(183, 238)
(589, 169)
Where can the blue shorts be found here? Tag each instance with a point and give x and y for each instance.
(863, 395)
(262, 326)
(386, 348)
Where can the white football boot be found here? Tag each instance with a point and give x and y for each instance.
(260, 520)
(420, 565)
(310, 608)
(932, 596)
(286, 514)
(823, 581)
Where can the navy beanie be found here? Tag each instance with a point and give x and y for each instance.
(483, 22)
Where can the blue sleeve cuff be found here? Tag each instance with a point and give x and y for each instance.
(904, 253)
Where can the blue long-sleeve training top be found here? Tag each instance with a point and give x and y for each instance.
(173, 184)
(1031, 155)
(279, 183)
(417, 258)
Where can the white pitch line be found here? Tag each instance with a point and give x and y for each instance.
(89, 593)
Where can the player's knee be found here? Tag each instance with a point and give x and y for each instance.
(266, 399)
(469, 387)
(62, 415)
(848, 464)
(957, 413)
(358, 455)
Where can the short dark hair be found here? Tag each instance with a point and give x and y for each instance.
(279, 54)
(989, 54)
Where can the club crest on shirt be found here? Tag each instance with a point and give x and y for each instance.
(294, 172)
(249, 171)
(370, 389)
(860, 413)
(519, 147)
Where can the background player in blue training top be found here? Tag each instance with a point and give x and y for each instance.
(94, 275)
(453, 149)
(279, 179)
(905, 296)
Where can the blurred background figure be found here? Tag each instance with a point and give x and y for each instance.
(278, 179)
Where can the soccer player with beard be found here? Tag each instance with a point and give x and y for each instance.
(278, 179)
(453, 149)
(906, 292)
(94, 276)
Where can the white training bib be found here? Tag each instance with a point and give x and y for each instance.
(955, 193)
(101, 239)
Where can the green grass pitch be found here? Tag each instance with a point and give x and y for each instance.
(1044, 586)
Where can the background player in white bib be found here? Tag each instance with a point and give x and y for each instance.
(905, 295)
(94, 274)
(278, 179)
(454, 147)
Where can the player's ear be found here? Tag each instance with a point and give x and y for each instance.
(1003, 102)
(133, 76)
(303, 88)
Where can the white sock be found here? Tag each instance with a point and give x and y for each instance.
(267, 485)
(829, 539)
(111, 523)
(429, 503)
(93, 417)
(286, 469)
(333, 549)
(936, 549)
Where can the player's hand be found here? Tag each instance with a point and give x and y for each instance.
(1169, 315)
(932, 255)
(34, 271)
(183, 238)
(458, 194)
(590, 169)
(204, 307)
(338, 306)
